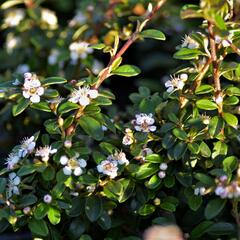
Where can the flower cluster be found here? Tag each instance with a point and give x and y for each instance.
(79, 50)
(14, 17)
(176, 83)
(73, 165)
(144, 123)
(49, 17)
(110, 166)
(227, 190)
(83, 95)
(162, 173)
(32, 87)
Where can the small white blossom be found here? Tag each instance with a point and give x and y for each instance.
(128, 138)
(144, 123)
(27, 146)
(90, 188)
(176, 83)
(218, 100)
(163, 166)
(73, 165)
(97, 67)
(45, 152)
(79, 50)
(162, 174)
(32, 87)
(108, 167)
(47, 198)
(199, 191)
(205, 119)
(49, 17)
(190, 43)
(14, 17)
(12, 160)
(13, 182)
(83, 95)
(53, 57)
(26, 210)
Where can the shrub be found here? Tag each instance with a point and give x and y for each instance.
(172, 159)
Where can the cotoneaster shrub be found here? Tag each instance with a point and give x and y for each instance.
(172, 159)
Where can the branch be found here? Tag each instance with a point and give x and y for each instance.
(216, 74)
(105, 73)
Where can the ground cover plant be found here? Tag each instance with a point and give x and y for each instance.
(92, 171)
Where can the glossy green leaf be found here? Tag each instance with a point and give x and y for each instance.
(67, 107)
(93, 208)
(214, 207)
(230, 119)
(127, 71)
(146, 209)
(206, 104)
(38, 227)
(53, 80)
(54, 215)
(187, 54)
(42, 106)
(153, 33)
(18, 108)
(204, 88)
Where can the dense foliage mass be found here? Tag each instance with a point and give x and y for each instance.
(92, 172)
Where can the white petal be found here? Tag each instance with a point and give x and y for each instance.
(26, 94)
(63, 160)
(31, 146)
(77, 171)
(40, 91)
(15, 190)
(67, 171)
(82, 163)
(152, 128)
(12, 175)
(93, 93)
(84, 101)
(100, 168)
(35, 98)
(16, 180)
(53, 151)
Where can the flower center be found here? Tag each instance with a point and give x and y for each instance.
(108, 166)
(33, 90)
(73, 163)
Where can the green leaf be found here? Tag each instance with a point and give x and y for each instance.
(230, 164)
(201, 229)
(191, 11)
(18, 108)
(127, 71)
(214, 207)
(187, 54)
(179, 150)
(26, 169)
(11, 3)
(180, 134)
(92, 127)
(230, 119)
(105, 221)
(232, 100)
(184, 178)
(41, 211)
(3, 183)
(53, 80)
(203, 89)
(154, 158)
(154, 34)
(195, 202)
(76, 229)
(67, 107)
(48, 174)
(221, 228)
(168, 141)
(42, 106)
(205, 179)
(205, 150)
(38, 227)
(233, 91)
(206, 104)
(220, 148)
(27, 200)
(93, 208)
(146, 170)
(153, 182)
(98, 46)
(146, 209)
(54, 215)
(220, 22)
(215, 126)
(127, 189)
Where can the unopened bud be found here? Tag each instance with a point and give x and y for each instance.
(68, 144)
(184, 77)
(60, 121)
(26, 210)
(157, 201)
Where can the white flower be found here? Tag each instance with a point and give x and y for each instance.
(53, 57)
(79, 50)
(205, 119)
(12, 42)
(199, 191)
(108, 167)
(176, 83)
(119, 157)
(12, 160)
(22, 68)
(144, 123)
(79, 18)
(44, 152)
(161, 174)
(190, 43)
(163, 166)
(218, 100)
(83, 95)
(13, 182)
(49, 17)
(32, 88)
(73, 165)
(26, 210)
(47, 198)
(128, 138)
(14, 17)
(27, 146)
(97, 67)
